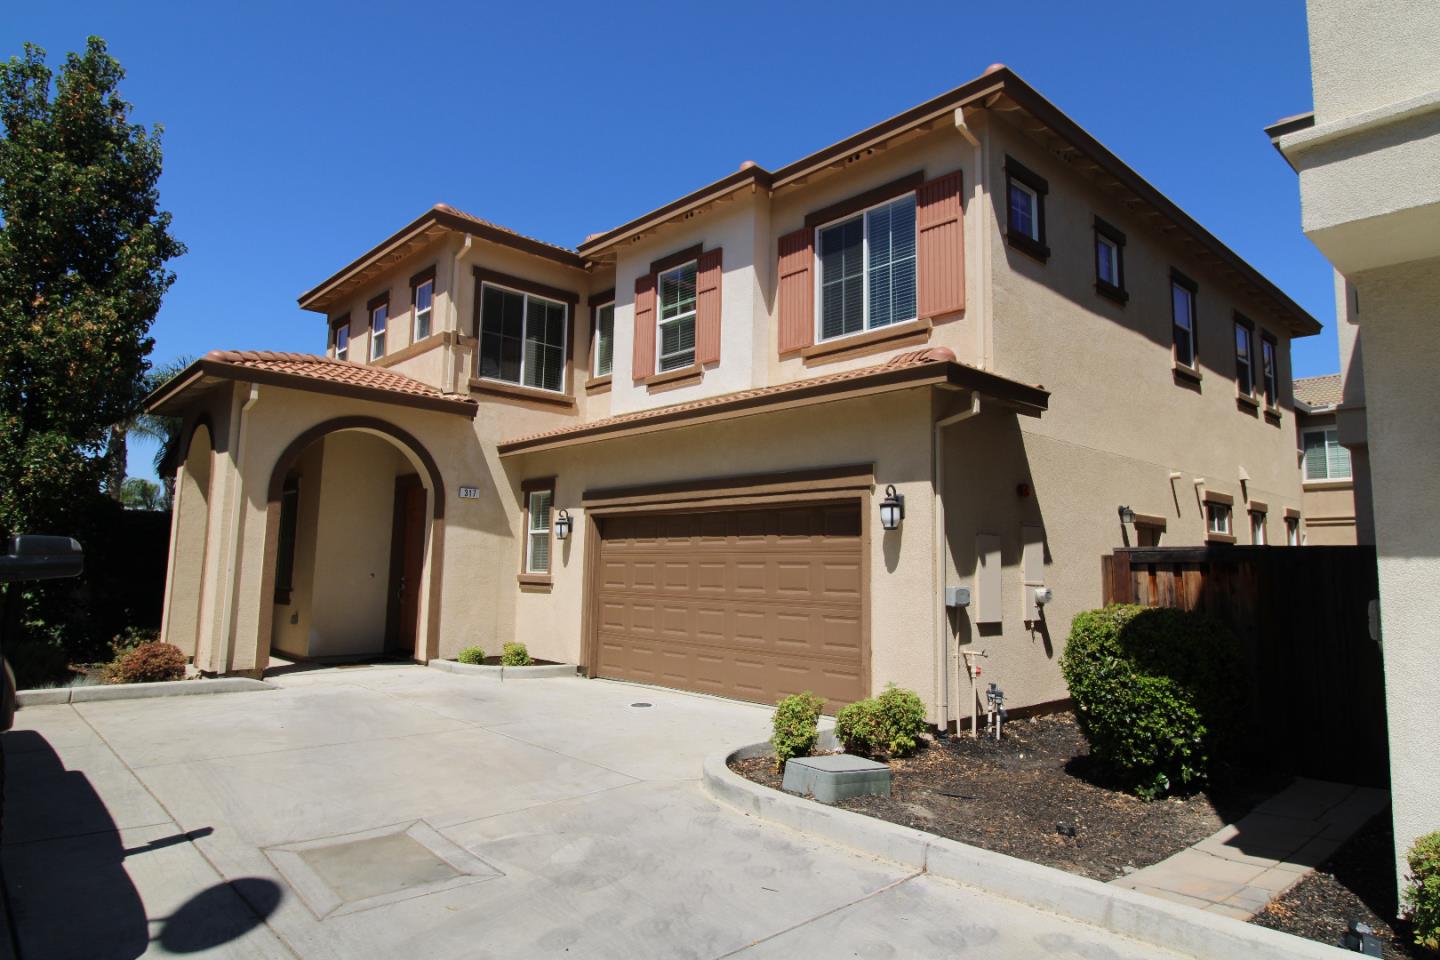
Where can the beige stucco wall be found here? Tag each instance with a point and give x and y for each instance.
(1401, 357)
(1366, 55)
(189, 520)
(295, 620)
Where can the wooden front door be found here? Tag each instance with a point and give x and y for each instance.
(407, 557)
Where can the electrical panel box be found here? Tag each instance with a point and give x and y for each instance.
(957, 596)
(988, 581)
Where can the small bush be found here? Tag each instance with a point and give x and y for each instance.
(1157, 693)
(1422, 893)
(150, 663)
(515, 655)
(796, 725)
(471, 655)
(887, 725)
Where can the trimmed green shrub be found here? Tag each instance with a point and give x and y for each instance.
(515, 655)
(1157, 691)
(150, 663)
(471, 655)
(887, 725)
(1422, 893)
(796, 725)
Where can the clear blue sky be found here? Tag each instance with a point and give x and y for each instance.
(298, 134)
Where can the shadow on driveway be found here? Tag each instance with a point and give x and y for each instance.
(66, 872)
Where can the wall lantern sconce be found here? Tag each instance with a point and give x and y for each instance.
(892, 509)
(563, 523)
(1127, 515)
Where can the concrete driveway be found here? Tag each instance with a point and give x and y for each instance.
(405, 812)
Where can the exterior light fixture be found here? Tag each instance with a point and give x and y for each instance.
(1127, 515)
(892, 509)
(563, 523)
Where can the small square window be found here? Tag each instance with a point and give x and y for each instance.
(1024, 211)
(1323, 456)
(1217, 518)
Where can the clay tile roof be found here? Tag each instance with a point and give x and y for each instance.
(446, 208)
(1323, 391)
(311, 371)
(941, 359)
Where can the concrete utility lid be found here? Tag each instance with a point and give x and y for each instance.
(839, 763)
(836, 776)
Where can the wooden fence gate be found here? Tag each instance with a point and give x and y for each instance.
(1302, 614)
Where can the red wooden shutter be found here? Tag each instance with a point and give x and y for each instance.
(707, 308)
(940, 245)
(644, 359)
(797, 291)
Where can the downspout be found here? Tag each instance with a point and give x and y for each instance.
(451, 372)
(942, 616)
(238, 546)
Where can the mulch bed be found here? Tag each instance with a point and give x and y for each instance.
(1357, 883)
(1010, 796)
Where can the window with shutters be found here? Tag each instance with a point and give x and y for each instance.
(604, 346)
(522, 338)
(1244, 358)
(1324, 458)
(676, 326)
(867, 269)
(1182, 320)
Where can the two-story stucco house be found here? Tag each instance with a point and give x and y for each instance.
(672, 454)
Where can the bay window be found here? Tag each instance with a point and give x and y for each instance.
(867, 269)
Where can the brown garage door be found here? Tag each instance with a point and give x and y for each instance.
(753, 604)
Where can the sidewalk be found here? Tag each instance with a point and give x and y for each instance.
(1243, 866)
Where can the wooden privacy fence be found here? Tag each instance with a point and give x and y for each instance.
(1302, 614)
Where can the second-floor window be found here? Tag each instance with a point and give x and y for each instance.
(424, 296)
(677, 317)
(340, 334)
(1325, 459)
(867, 269)
(379, 318)
(604, 339)
(1269, 378)
(1244, 359)
(1182, 320)
(522, 339)
(1109, 261)
(1217, 518)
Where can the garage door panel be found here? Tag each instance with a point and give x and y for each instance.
(755, 603)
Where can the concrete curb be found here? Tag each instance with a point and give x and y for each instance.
(495, 672)
(139, 691)
(1124, 912)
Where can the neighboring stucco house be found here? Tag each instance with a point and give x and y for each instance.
(973, 306)
(1370, 200)
(1325, 467)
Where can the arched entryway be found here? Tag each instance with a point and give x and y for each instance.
(189, 540)
(353, 546)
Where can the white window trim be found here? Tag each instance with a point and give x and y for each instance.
(1034, 232)
(339, 352)
(1259, 532)
(1292, 531)
(415, 335)
(660, 321)
(525, 312)
(531, 530)
(377, 354)
(818, 270)
(595, 336)
(1304, 473)
(1101, 239)
(1224, 510)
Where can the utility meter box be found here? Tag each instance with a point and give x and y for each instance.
(957, 596)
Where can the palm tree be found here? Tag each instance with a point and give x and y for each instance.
(163, 430)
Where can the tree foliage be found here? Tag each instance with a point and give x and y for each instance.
(83, 253)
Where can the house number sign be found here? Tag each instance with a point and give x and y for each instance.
(469, 493)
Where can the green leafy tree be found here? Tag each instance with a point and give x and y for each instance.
(164, 431)
(137, 493)
(83, 253)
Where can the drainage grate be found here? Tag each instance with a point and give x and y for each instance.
(642, 704)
